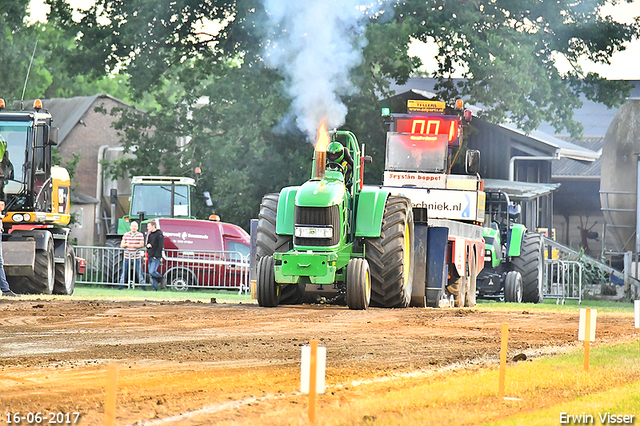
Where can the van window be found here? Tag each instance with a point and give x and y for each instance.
(240, 248)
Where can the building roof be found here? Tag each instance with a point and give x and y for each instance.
(67, 112)
(569, 169)
(520, 191)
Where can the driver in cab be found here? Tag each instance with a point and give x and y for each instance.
(337, 154)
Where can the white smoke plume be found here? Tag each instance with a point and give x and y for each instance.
(315, 44)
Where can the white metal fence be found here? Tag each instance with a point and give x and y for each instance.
(564, 280)
(181, 269)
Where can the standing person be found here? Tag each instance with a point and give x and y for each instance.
(155, 245)
(4, 285)
(133, 241)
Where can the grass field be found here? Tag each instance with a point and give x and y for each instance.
(98, 292)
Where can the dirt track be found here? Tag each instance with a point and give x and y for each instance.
(236, 362)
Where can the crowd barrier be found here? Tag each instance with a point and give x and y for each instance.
(182, 270)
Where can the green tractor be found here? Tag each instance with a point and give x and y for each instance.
(333, 239)
(514, 257)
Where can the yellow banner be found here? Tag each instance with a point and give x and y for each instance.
(425, 106)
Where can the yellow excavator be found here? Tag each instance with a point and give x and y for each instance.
(38, 256)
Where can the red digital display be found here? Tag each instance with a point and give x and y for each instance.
(429, 125)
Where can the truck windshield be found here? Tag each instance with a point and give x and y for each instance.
(16, 136)
(416, 153)
(155, 200)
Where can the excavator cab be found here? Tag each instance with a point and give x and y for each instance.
(39, 257)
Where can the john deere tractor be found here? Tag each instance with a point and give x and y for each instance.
(334, 239)
(514, 258)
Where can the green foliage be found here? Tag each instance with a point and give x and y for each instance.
(243, 138)
(49, 74)
(591, 272)
(231, 138)
(508, 51)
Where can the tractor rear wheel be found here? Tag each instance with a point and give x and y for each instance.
(530, 264)
(390, 256)
(43, 279)
(268, 242)
(266, 287)
(112, 260)
(513, 287)
(358, 284)
(65, 279)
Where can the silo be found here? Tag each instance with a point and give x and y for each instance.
(619, 176)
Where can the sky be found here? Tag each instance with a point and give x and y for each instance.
(624, 65)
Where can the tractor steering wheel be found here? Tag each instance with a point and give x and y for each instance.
(332, 165)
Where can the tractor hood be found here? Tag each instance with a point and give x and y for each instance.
(325, 192)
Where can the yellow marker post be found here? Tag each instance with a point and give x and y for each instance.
(110, 398)
(587, 337)
(312, 381)
(503, 359)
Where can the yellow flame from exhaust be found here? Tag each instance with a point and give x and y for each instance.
(323, 137)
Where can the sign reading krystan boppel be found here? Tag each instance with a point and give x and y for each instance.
(446, 204)
(418, 179)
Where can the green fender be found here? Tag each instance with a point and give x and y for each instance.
(370, 211)
(514, 242)
(286, 209)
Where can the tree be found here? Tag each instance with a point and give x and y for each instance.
(40, 52)
(508, 51)
(507, 48)
(231, 138)
(17, 44)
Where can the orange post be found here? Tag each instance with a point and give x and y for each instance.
(312, 381)
(110, 398)
(503, 359)
(587, 337)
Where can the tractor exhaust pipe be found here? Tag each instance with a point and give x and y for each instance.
(320, 164)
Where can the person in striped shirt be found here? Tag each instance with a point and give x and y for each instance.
(133, 242)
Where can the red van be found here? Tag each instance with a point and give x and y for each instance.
(202, 253)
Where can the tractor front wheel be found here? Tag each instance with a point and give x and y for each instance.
(65, 275)
(269, 242)
(390, 256)
(513, 287)
(43, 278)
(266, 286)
(358, 284)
